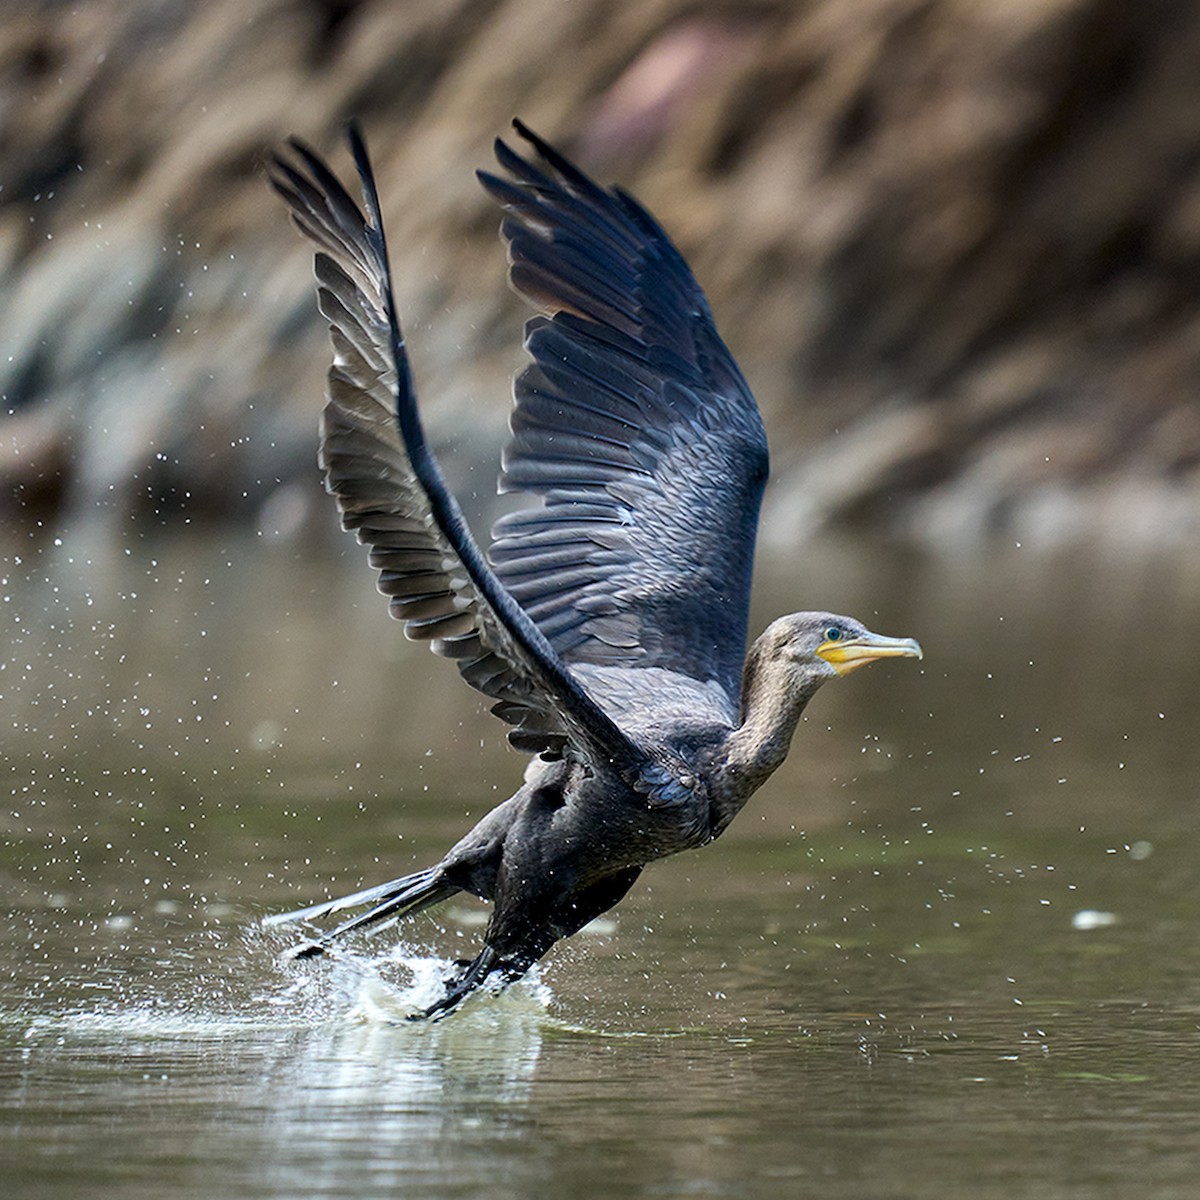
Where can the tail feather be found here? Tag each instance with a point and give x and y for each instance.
(397, 898)
(355, 900)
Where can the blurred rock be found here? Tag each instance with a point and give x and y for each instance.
(956, 248)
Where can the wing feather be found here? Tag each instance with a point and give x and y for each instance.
(635, 428)
(391, 493)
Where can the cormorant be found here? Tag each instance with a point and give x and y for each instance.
(607, 621)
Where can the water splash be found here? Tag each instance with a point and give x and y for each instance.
(202, 982)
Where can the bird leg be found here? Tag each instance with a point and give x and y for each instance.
(476, 973)
(524, 948)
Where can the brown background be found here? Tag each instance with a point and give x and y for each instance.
(955, 246)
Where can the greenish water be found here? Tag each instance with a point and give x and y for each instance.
(950, 949)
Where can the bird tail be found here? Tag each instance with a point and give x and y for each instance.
(396, 899)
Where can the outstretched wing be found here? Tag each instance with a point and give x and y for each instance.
(635, 427)
(391, 492)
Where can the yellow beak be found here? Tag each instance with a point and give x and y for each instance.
(848, 654)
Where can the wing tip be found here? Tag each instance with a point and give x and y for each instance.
(357, 142)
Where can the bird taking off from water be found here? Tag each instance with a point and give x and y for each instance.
(607, 621)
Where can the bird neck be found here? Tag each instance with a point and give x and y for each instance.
(774, 695)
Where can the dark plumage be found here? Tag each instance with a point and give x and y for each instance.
(608, 620)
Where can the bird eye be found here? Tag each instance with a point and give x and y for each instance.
(833, 633)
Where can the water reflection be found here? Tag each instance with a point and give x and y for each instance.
(409, 1099)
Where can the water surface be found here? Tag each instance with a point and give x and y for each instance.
(950, 949)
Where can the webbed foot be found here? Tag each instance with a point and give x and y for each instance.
(474, 975)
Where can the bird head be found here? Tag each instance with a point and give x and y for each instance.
(828, 646)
